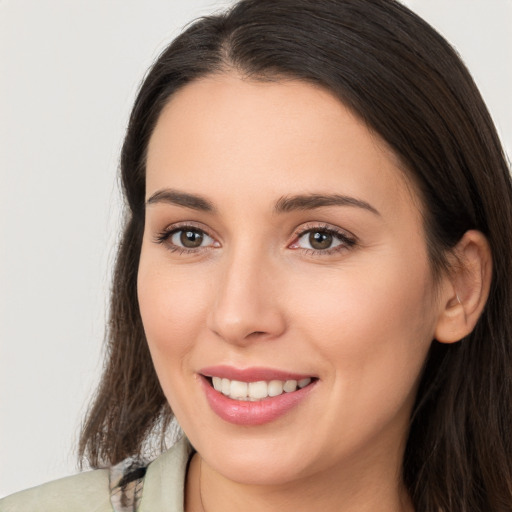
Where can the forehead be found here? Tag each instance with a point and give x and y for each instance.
(282, 137)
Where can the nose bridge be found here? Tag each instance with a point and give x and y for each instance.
(245, 302)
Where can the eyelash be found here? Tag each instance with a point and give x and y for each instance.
(164, 236)
(347, 241)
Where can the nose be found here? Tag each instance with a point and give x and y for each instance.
(246, 305)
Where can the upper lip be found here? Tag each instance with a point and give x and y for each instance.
(251, 374)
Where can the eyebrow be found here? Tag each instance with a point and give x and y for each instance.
(283, 204)
(312, 201)
(192, 201)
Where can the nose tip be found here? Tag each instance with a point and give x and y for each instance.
(238, 330)
(246, 306)
(240, 322)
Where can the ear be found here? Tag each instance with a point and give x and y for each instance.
(465, 289)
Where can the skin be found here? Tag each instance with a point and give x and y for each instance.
(360, 317)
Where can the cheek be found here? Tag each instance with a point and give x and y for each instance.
(172, 306)
(374, 328)
(368, 306)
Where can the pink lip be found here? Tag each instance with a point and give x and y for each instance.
(253, 374)
(239, 412)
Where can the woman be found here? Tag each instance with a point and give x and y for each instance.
(314, 276)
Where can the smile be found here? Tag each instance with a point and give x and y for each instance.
(259, 390)
(254, 396)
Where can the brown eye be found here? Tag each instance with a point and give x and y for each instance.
(191, 239)
(320, 240)
(323, 240)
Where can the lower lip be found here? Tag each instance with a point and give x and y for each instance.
(240, 412)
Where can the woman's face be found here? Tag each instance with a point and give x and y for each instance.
(283, 243)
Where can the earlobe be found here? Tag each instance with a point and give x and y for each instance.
(466, 288)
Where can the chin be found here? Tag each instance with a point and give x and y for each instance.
(264, 459)
(256, 469)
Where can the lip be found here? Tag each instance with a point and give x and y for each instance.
(239, 412)
(252, 374)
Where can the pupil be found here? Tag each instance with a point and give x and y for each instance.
(319, 240)
(191, 239)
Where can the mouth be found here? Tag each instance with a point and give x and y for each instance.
(254, 396)
(256, 390)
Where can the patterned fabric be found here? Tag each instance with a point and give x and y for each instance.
(126, 482)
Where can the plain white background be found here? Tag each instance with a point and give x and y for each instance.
(69, 71)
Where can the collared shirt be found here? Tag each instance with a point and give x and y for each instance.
(161, 489)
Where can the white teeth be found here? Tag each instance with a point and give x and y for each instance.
(290, 386)
(258, 389)
(303, 382)
(275, 388)
(254, 391)
(226, 386)
(217, 383)
(238, 389)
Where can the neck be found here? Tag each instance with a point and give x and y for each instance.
(354, 491)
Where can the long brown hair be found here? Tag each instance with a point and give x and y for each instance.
(395, 72)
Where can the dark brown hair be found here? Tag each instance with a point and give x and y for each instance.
(395, 72)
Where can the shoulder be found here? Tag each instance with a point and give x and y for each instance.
(87, 491)
(90, 491)
(171, 468)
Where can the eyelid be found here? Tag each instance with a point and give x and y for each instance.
(348, 240)
(163, 237)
